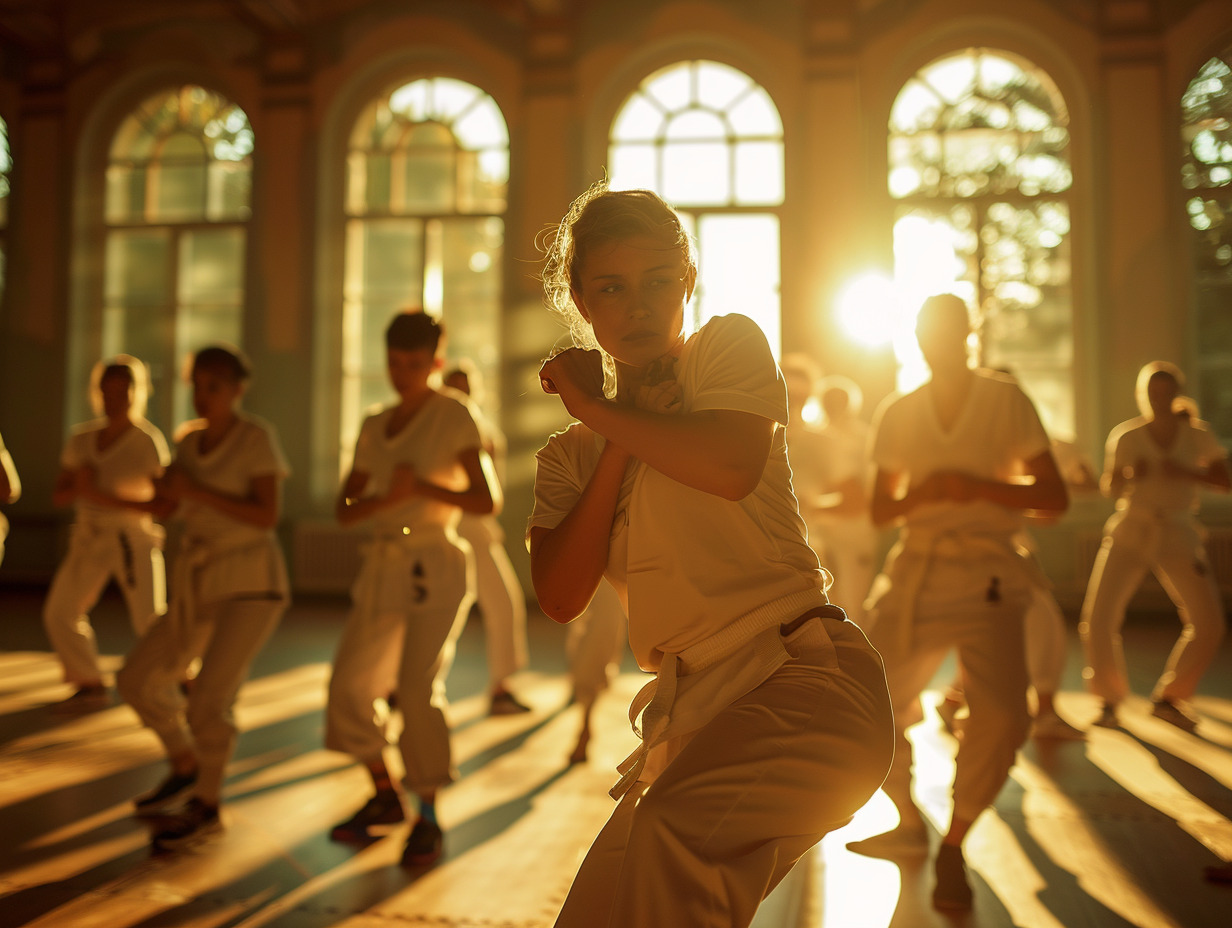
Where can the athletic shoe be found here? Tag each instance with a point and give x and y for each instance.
(894, 844)
(86, 699)
(952, 892)
(1107, 717)
(167, 794)
(1183, 718)
(1051, 727)
(385, 808)
(423, 845)
(192, 823)
(505, 703)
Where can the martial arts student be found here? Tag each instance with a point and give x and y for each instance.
(228, 591)
(10, 490)
(1156, 464)
(767, 724)
(107, 473)
(801, 374)
(594, 647)
(419, 462)
(497, 589)
(958, 462)
(843, 521)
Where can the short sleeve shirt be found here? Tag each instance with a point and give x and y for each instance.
(1195, 446)
(694, 562)
(248, 451)
(996, 432)
(431, 444)
(125, 469)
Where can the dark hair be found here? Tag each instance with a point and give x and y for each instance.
(132, 370)
(598, 217)
(226, 360)
(413, 329)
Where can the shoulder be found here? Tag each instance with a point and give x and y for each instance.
(733, 328)
(81, 430)
(151, 431)
(1129, 430)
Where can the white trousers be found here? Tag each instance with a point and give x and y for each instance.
(745, 796)
(977, 609)
(595, 644)
(849, 546)
(132, 556)
(408, 650)
(227, 636)
(1174, 551)
(501, 601)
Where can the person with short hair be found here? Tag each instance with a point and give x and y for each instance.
(767, 724)
(419, 463)
(959, 461)
(1155, 466)
(107, 473)
(229, 590)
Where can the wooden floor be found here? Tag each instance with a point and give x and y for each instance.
(1111, 832)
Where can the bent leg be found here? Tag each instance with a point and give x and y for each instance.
(1114, 578)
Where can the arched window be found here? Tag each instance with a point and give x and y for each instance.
(427, 176)
(1206, 175)
(6, 165)
(979, 165)
(176, 207)
(709, 140)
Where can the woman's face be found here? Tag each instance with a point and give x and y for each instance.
(633, 293)
(117, 392)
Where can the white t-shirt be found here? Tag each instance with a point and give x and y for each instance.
(249, 450)
(690, 563)
(996, 431)
(430, 444)
(125, 469)
(1195, 446)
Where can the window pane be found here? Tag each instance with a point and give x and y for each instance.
(671, 88)
(759, 173)
(639, 120)
(211, 267)
(718, 85)
(137, 268)
(427, 180)
(230, 190)
(696, 125)
(632, 167)
(482, 127)
(739, 270)
(697, 173)
(755, 115)
(471, 290)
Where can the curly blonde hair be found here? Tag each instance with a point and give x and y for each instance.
(601, 216)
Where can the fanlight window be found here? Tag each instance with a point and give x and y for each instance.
(709, 140)
(979, 165)
(427, 180)
(1206, 176)
(176, 207)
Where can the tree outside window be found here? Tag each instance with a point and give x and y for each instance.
(979, 167)
(709, 140)
(427, 179)
(1206, 176)
(176, 210)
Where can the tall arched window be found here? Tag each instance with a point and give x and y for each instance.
(979, 165)
(177, 204)
(1206, 175)
(427, 177)
(709, 140)
(6, 165)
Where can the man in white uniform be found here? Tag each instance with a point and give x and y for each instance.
(418, 463)
(958, 462)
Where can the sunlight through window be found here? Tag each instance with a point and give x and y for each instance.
(427, 178)
(979, 165)
(177, 201)
(1206, 177)
(709, 140)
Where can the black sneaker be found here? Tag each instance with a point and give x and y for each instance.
(952, 892)
(191, 824)
(168, 793)
(423, 845)
(385, 808)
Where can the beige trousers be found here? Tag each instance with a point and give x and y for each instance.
(742, 798)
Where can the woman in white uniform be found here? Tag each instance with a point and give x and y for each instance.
(768, 722)
(107, 472)
(229, 589)
(1156, 465)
